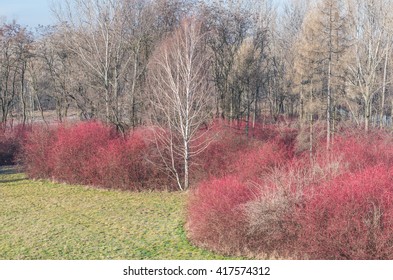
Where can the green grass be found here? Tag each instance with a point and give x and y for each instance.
(44, 220)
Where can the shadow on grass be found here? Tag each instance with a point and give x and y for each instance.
(11, 181)
(9, 170)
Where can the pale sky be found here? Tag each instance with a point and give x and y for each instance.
(27, 12)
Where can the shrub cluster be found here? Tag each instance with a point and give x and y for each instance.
(11, 140)
(218, 215)
(350, 217)
(216, 218)
(280, 203)
(258, 193)
(231, 150)
(91, 153)
(36, 152)
(226, 145)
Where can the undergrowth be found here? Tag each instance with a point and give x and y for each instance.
(254, 194)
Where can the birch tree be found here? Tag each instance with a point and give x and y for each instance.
(180, 96)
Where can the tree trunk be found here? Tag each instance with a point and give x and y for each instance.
(254, 119)
(186, 165)
(22, 95)
(329, 107)
(133, 85)
(248, 117)
(311, 139)
(382, 113)
(367, 114)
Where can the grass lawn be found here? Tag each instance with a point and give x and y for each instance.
(44, 220)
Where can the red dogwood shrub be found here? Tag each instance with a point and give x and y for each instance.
(229, 145)
(216, 217)
(126, 163)
(11, 141)
(359, 149)
(36, 151)
(226, 146)
(73, 155)
(336, 206)
(260, 161)
(92, 153)
(350, 217)
(8, 148)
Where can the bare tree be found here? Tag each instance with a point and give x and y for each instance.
(370, 52)
(56, 63)
(181, 96)
(15, 42)
(97, 33)
(289, 32)
(227, 24)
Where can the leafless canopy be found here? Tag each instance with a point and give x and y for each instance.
(181, 93)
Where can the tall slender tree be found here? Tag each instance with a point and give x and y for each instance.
(370, 52)
(181, 96)
(328, 23)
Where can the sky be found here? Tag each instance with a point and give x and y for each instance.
(33, 12)
(27, 12)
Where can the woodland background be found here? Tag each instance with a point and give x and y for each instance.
(309, 60)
